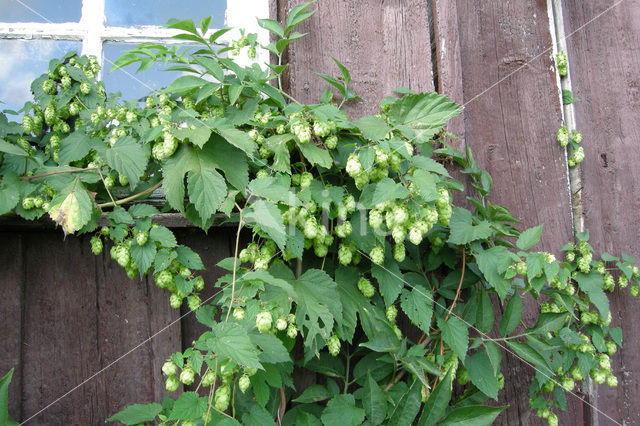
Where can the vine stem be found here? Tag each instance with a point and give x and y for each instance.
(235, 265)
(401, 373)
(105, 186)
(59, 172)
(455, 299)
(131, 198)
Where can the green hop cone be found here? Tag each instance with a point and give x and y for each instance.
(576, 373)
(331, 142)
(612, 348)
(333, 344)
(163, 279)
(169, 368)
(187, 376)
(222, 398)
(377, 255)
(243, 383)
(399, 252)
(281, 324)
(198, 283)
(292, 331)
(209, 378)
(28, 203)
(142, 238)
(391, 313)
(239, 314)
(568, 384)
(612, 381)
(366, 288)
(562, 63)
(85, 88)
(96, 245)
(172, 384)
(175, 301)
(306, 179)
(344, 255)
(263, 321)
(193, 301)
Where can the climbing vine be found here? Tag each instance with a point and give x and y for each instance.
(352, 227)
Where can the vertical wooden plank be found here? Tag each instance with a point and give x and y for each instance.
(60, 330)
(604, 56)
(129, 313)
(385, 45)
(511, 116)
(11, 287)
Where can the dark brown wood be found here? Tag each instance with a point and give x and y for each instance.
(384, 44)
(60, 337)
(604, 63)
(11, 288)
(510, 123)
(131, 315)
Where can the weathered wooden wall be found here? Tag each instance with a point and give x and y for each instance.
(67, 315)
(605, 72)
(492, 56)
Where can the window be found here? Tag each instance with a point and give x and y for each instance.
(34, 31)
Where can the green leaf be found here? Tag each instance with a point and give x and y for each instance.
(198, 136)
(188, 406)
(549, 321)
(273, 189)
(314, 393)
(482, 374)
(271, 25)
(257, 415)
(137, 413)
(75, 147)
(273, 351)
(529, 354)
(425, 114)
(316, 155)
(143, 210)
(299, 14)
(385, 190)
(592, 284)
(417, 304)
(372, 127)
(484, 313)
(143, 256)
(211, 65)
(438, 401)
(235, 137)
(207, 188)
(493, 263)
(9, 193)
(72, 208)
(426, 183)
(342, 410)
(374, 401)
(462, 229)
(407, 408)
(163, 259)
(390, 281)
(472, 415)
(529, 238)
(429, 165)
(512, 314)
(281, 154)
(230, 340)
(189, 258)
(185, 84)
(120, 215)
(4, 396)
(231, 160)
(12, 149)
(455, 334)
(128, 157)
(163, 235)
(267, 216)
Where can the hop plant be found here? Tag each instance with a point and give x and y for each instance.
(243, 383)
(169, 368)
(333, 345)
(96, 245)
(187, 376)
(263, 321)
(172, 384)
(377, 255)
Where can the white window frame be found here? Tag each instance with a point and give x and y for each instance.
(93, 33)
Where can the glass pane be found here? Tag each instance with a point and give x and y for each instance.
(129, 13)
(125, 80)
(40, 11)
(22, 62)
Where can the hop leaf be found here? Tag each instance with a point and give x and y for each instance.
(72, 208)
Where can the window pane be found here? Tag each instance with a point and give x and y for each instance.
(129, 13)
(22, 62)
(40, 10)
(125, 80)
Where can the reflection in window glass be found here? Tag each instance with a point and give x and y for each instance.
(125, 80)
(22, 62)
(40, 11)
(157, 12)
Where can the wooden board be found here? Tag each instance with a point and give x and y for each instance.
(384, 44)
(11, 287)
(510, 123)
(60, 331)
(604, 59)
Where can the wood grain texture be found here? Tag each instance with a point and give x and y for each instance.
(511, 116)
(129, 313)
(11, 287)
(384, 44)
(604, 61)
(60, 331)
